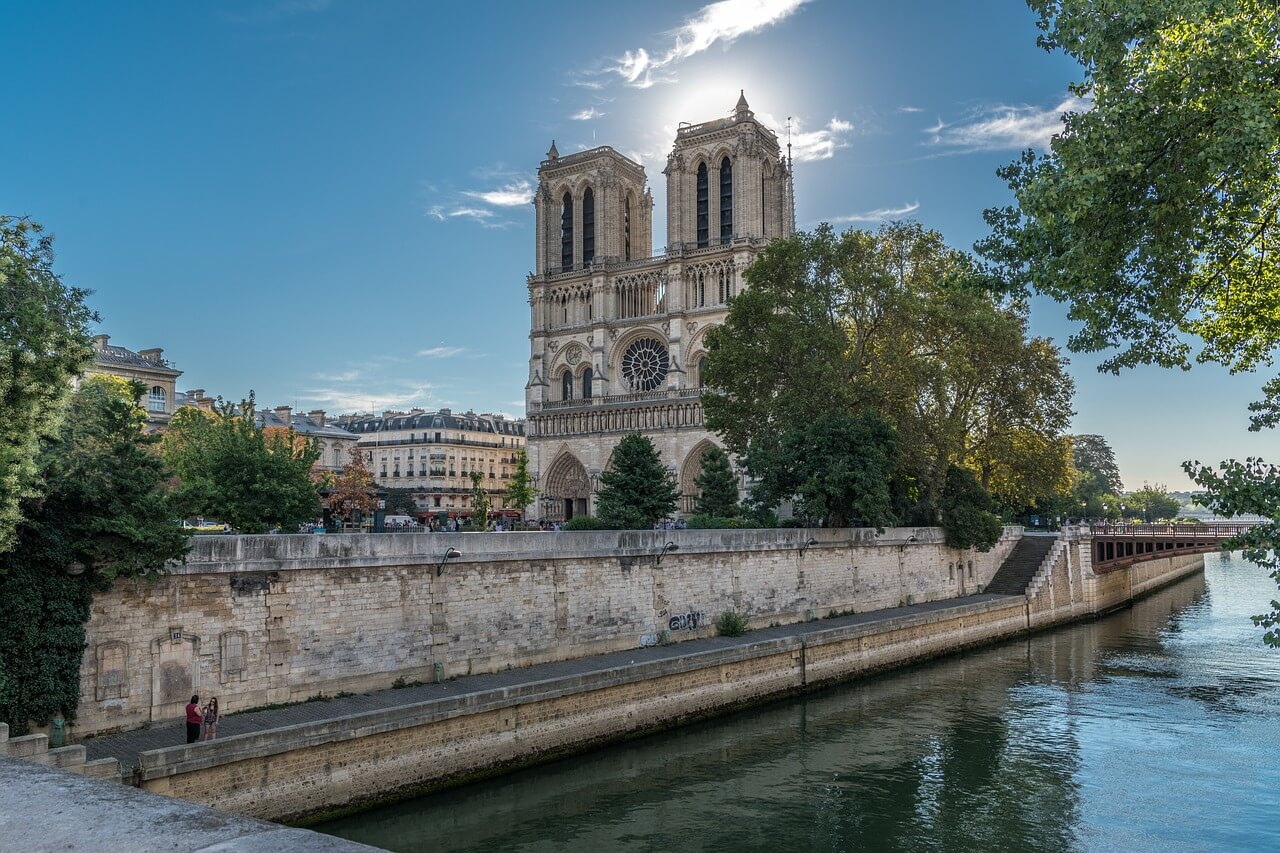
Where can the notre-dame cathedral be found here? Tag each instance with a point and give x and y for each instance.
(617, 333)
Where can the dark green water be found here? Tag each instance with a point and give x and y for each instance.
(1157, 728)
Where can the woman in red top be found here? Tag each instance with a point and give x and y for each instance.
(193, 719)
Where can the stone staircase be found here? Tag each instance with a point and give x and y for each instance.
(1016, 572)
(35, 748)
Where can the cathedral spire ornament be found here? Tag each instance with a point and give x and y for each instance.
(741, 109)
(553, 153)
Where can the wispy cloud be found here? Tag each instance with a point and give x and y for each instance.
(1004, 128)
(514, 194)
(346, 400)
(344, 376)
(810, 145)
(483, 216)
(587, 115)
(909, 109)
(441, 352)
(879, 214)
(721, 23)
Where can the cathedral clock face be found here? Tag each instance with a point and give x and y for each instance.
(645, 365)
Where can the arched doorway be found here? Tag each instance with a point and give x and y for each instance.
(569, 489)
(688, 476)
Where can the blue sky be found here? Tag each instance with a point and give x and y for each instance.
(324, 200)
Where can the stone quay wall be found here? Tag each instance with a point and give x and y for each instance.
(259, 620)
(302, 771)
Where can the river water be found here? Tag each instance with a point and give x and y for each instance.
(1155, 728)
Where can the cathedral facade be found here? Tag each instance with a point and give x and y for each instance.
(617, 333)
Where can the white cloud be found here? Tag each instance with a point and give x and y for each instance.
(441, 352)
(512, 195)
(587, 115)
(810, 145)
(356, 400)
(722, 22)
(909, 109)
(879, 214)
(344, 376)
(483, 216)
(1004, 128)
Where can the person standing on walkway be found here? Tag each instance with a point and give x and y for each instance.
(193, 719)
(211, 718)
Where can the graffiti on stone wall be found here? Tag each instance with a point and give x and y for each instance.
(690, 620)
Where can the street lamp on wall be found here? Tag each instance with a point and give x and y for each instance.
(806, 544)
(670, 546)
(451, 554)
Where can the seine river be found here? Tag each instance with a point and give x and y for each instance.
(1156, 728)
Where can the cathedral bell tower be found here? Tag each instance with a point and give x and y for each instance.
(726, 179)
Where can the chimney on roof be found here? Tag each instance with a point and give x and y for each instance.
(285, 413)
(196, 393)
(317, 415)
(100, 341)
(152, 354)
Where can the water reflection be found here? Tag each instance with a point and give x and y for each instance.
(1149, 728)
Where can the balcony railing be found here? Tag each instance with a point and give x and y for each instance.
(619, 399)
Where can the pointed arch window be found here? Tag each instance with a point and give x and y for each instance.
(704, 220)
(626, 228)
(702, 372)
(726, 200)
(586, 384)
(566, 386)
(566, 232)
(588, 227)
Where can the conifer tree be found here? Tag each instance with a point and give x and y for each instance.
(637, 489)
(717, 487)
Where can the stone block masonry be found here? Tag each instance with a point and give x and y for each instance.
(383, 746)
(261, 620)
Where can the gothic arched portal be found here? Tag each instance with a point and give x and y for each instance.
(568, 487)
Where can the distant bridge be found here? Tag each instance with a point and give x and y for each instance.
(1119, 545)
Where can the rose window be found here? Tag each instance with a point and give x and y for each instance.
(645, 364)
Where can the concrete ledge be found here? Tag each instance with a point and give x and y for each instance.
(43, 808)
(28, 746)
(239, 554)
(65, 757)
(102, 768)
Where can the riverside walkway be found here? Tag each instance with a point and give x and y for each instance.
(126, 746)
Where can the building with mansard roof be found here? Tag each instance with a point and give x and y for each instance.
(435, 453)
(147, 366)
(618, 334)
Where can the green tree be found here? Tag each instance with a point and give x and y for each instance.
(897, 323)
(520, 492)
(1093, 457)
(230, 469)
(968, 519)
(479, 502)
(44, 344)
(717, 486)
(1155, 213)
(400, 501)
(838, 466)
(1152, 503)
(636, 490)
(102, 513)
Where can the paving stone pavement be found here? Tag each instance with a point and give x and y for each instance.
(126, 746)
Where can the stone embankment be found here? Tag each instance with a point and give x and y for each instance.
(399, 742)
(35, 749)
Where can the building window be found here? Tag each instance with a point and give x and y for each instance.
(704, 223)
(566, 232)
(645, 365)
(702, 372)
(156, 399)
(566, 386)
(586, 384)
(626, 228)
(726, 200)
(588, 226)
(337, 457)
